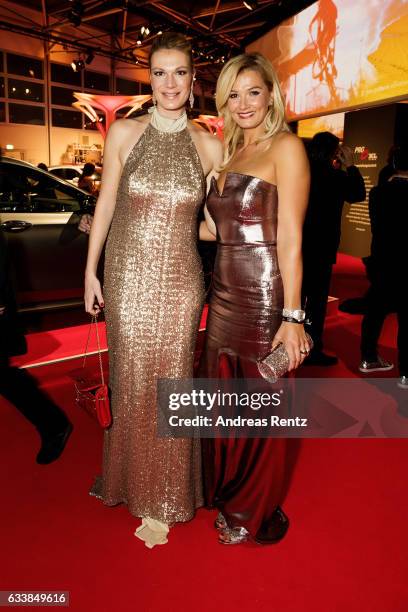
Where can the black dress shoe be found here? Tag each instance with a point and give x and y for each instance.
(354, 305)
(320, 359)
(53, 445)
(275, 529)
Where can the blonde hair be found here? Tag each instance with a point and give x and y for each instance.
(275, 119)
(172, 40)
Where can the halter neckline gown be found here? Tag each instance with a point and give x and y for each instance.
(244, 478)
(154, 293)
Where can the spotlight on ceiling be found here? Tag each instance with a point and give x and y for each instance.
(77, 65)
(76, 12)
(90, 57)
(144, 31)
(251, 5)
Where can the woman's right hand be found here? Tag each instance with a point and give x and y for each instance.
(346, 155)
(93, 297)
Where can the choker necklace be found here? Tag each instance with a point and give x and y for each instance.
(165, 124)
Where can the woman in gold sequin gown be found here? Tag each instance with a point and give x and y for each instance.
(154, 169)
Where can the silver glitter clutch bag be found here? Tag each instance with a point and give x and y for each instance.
(276, 364)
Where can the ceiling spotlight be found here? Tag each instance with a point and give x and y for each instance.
(76, 12)
(144, 30)
(159, 33)
(90, 57)
(251, 5)
(139, 42)
(77, 65)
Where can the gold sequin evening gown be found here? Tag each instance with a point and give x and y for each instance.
(154, 294)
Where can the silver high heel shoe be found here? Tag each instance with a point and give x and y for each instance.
(233, 535)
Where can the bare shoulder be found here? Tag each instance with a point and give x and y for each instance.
(205, 137)
(123, 134)
(287, 142)
(287, 152)
(213, 146)
(124, 127)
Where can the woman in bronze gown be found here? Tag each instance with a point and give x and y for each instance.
(153, 186)
(256, 209)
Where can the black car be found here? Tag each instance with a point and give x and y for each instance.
(39, 214)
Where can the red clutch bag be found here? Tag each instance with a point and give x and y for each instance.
(92, 394)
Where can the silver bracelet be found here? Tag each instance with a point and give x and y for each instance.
(297, 314)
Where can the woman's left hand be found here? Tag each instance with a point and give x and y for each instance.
(85, 223)
(294, 338)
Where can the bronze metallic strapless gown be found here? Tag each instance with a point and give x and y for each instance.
(243, 477)
(154, 294)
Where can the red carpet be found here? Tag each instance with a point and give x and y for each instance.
(342, 334)
(66, 343)
(345, 550)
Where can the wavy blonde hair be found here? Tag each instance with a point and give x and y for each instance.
(275, 119)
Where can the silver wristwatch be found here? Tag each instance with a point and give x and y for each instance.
(298, 315)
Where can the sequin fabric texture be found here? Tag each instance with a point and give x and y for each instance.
(153, 293)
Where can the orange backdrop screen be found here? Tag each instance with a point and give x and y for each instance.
(334, 123)
(340, 54)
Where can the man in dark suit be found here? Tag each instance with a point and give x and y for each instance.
(330, 188)
(388, 206)
(16, 385)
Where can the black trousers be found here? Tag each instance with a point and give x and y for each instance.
(19, 388)
(385, 296)
(315, 291)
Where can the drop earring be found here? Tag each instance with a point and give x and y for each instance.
(191, 98)
(154, 99)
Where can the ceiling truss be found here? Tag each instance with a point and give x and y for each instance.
(112, 28)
